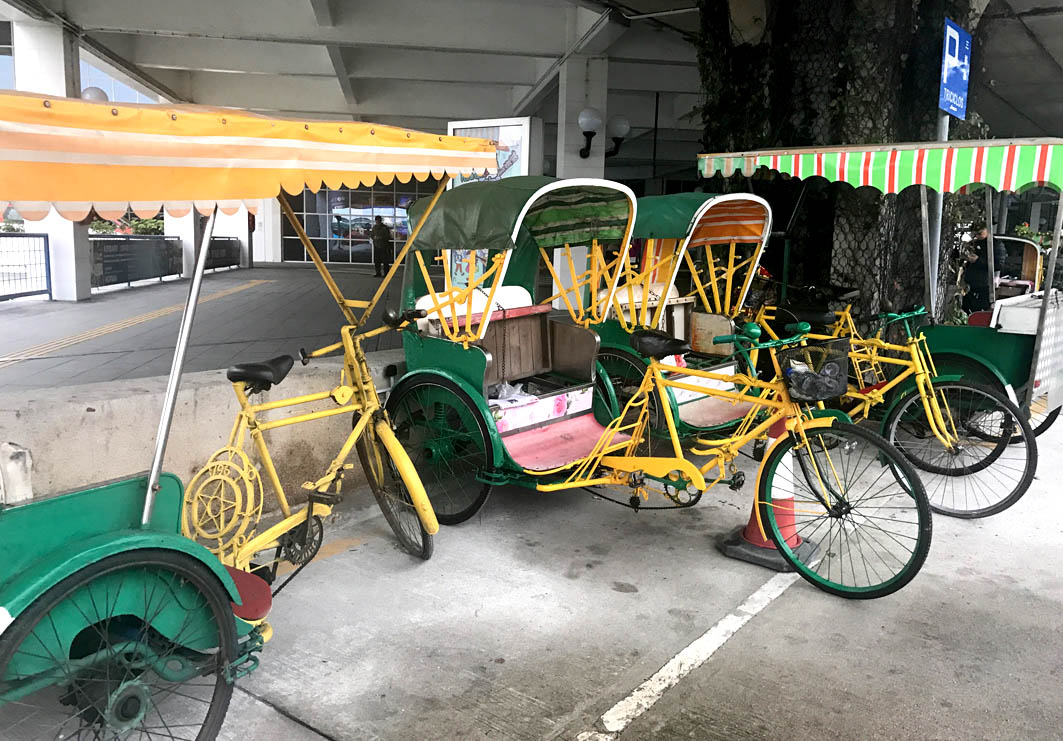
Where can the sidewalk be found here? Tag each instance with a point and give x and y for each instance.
(244, 315)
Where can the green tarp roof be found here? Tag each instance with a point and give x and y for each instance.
(482, 215)
(667, 217)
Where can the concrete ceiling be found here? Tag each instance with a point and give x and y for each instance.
(411, 63)
(1019, 83)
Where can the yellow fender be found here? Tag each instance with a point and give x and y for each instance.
(409, 477)
(808, 424)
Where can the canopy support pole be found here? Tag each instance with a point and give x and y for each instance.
(326, 276)
(990, 254)
(405, 249)
(1050, 272)
(937, 214)
(930, 277)
(176, 367)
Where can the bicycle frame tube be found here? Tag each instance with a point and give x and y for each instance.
(176, 368)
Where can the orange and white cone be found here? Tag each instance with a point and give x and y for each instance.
(750, 543)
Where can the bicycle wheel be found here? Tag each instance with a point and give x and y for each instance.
(134, 646)
(856, 523)
(447, 441)
(1041, 418)
(626, 372)
(392, 495)
(992, 462)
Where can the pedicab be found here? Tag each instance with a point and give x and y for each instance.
(714, 243)
(503, 386)
(112, 623)
(1016, 354)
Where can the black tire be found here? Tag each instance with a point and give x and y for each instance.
(448, 441)
(995, 457)
(112, 696)
(863, 477)
(1041, 420)
(392, 495)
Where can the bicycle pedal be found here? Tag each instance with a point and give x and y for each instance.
(323, 498)
(737, 481)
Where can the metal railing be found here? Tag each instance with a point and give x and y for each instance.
(125, 258)
(25, 266)
(224, 253)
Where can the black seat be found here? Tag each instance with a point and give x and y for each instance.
(260, 376)
(653, 343)
(814, 316)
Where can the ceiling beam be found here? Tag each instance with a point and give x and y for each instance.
(35, 9)
(601, 34)
(323, 12)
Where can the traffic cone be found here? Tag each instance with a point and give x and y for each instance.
(748, 543)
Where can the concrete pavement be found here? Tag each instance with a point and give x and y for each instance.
(545, 611)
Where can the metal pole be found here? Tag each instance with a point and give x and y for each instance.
(938, 208)
(990, 256)
(785, 270)
(930, 282)
(176, 367)
(656, 113)
(1042, 316)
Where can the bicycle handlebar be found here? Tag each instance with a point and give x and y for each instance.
(395, 320)
(750, 335)
(890, 317)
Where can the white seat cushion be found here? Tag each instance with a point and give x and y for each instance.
(506, 297)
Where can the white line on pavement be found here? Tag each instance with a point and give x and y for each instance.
(618, 717)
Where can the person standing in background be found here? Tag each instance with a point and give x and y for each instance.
(977, 271)
(381, 246)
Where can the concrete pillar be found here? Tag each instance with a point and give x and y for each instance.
(70, 254)
(583, 82)
(234, 226)
(189, 230)
(46, 61)
(268, 232)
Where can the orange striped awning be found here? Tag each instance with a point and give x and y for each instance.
(731, 221)
(77, 155)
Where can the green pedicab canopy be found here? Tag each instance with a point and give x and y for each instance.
(483, 215)
(667, 217)
(1004, 164)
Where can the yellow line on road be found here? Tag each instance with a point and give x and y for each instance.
(46, 348)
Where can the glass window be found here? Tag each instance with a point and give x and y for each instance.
(340, 222)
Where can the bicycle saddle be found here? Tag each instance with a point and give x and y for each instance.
(813, 316)
(654, 343)
(260, 376)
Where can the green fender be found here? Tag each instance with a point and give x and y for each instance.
(498, 456)
(19, 593)
(906, 390)
(991, 371)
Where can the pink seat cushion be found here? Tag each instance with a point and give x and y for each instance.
(254, 593)
(557, 444)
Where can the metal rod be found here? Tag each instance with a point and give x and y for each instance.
(930, 279)
(938, 208)
(991, 260)
(785, 270)
(176, 367)
(656, 114)
(660, 13)
(1043, 315)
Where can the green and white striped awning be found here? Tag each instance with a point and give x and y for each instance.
(947, 167)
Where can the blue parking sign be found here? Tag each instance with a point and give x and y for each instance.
(955, 70)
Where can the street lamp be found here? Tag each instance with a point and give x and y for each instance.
(94, 94)
(590, 120)
(618, 128)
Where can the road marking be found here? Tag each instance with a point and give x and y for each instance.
(620, 716)
(327, 550)
(46, 348)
